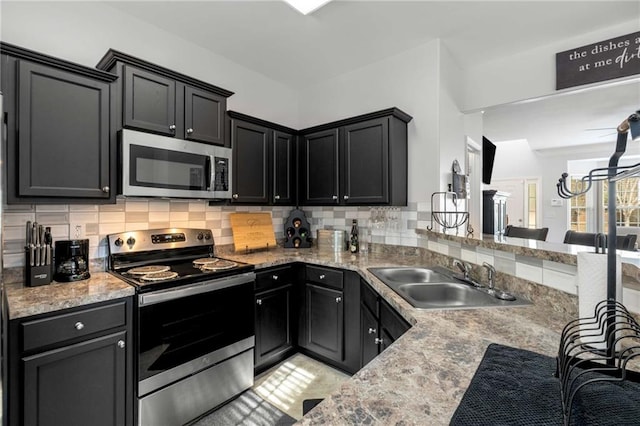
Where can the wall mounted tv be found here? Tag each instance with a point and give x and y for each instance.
(488, 155)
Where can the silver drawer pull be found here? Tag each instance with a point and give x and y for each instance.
(378, 341)
(372, 331)
(121, 344)
(189, 131)
(338, 299)
(322, 277)
(274, 277)
(79, 325)
(172, 127)
(259, 302)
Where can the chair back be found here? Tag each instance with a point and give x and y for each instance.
(539, 234)
(623, 242)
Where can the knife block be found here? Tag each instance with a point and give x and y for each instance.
(36, 275)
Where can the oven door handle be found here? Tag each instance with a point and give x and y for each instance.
(177, 293)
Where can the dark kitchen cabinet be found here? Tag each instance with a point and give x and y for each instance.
(159, 100)
(381, 325)
(357, 161)
(60, 137)
(330, 321)
(72, 367)
(275, 316)
(263, 161)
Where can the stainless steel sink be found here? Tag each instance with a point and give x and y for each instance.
(436, 288)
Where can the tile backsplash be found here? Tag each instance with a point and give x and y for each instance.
(95, 222)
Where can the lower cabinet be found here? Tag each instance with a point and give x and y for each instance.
(324, 321)
(274, 315)
(381, 324)
(72, 367)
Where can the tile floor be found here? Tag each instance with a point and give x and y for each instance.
(295, 379)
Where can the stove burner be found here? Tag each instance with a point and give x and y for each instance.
(218, 265)
(144, 270)
(204, 261)
(159, 276)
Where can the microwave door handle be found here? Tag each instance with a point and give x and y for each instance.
(209, 170)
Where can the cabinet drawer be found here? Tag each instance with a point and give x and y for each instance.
(370, 299)
(58, 328)
(392, 322)
(325, 276)
(274, 277)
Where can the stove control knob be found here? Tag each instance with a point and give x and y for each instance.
(200, 236)
(118, 242)
(207, 236)
(131, 241)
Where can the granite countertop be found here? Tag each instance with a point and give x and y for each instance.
(101, 286)
(421, 378)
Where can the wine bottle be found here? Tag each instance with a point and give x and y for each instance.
(353, 237)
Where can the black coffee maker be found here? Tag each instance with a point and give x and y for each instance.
(71, 260)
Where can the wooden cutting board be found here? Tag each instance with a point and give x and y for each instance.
(252, 231)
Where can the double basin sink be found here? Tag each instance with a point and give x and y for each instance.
(438, 288)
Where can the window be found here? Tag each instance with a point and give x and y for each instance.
(578, 207)
(532, 195)
(627, 203)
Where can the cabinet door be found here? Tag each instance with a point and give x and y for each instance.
(204, 116)
(365, 173)
(325, 322)
(149, 102)
(273, 324)
(81, 384)
(283, 168)
(63, 134)
(369, 335)
(320, 180)
(250, 162)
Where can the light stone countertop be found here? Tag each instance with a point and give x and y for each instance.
(421, 378)
(26, 301)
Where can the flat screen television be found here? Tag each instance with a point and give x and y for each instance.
(488, 156)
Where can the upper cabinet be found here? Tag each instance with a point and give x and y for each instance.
(162, 101)
(357, 161)
(56, 117)
(263, 161)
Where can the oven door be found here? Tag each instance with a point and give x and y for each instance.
(187, 329)
(158, 166)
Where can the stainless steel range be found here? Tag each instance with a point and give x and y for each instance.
(194, 322)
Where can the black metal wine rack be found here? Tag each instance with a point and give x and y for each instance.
(297, 232)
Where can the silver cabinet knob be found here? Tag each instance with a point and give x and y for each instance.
(338, 299)
(346, 197)
(277, 197)
(322, 277)
(106, 189)
(79, 325)
(189, 131)
(121, 344)
(235, 196)
(172, 127)
(378, 341)
(274, 277)
(259, 302)
(335, 197)
(372, 330)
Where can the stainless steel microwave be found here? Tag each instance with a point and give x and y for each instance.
(159, 166)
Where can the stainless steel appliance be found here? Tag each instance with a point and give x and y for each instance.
(194, 319)
(159, 166)
(71, 260)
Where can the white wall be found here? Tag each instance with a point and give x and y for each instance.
(409, 81)
(529, 74)
(82, 32)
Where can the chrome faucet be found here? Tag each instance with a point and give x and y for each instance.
(491, 273)
(464, 267)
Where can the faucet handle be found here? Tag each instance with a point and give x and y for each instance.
(463, 266)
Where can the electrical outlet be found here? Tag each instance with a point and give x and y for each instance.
(77, 231)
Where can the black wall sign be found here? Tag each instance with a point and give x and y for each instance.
(605, 60)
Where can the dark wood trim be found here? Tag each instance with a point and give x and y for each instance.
(261, 122)
(112, 56)
(41, 58)
(395, 112)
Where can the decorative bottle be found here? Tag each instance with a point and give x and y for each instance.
(354, 246)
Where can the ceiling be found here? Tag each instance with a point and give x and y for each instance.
(271, 38)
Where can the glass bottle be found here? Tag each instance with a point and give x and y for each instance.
(353, 237)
